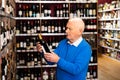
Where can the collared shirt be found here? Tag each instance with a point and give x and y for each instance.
(77, 42)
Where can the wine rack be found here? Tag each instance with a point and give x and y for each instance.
(49, 18)
(109, 29)
(7, 40)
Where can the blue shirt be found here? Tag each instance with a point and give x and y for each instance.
(74, 60)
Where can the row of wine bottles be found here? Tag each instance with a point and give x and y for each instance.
(29, 43)
(27, 27)
(48, 73)
(83, 10)
(28, 59)
(56, 10)
(6, 34)
(27, 10)
(26, 43)
(90, 25)
(36, 74)
(31, 27)
(7, 7)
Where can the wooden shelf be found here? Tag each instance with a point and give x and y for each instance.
(43, 34)
(17, 1)
(108, 10)
(111, 19)
(109, 48)
(116, 39)
(48, 18)
(116, 29)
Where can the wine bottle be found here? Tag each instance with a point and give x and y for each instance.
(7, 7)
(38, 26)
(30, 11)
(94, 72)
(28, 27)
(1, 35)
(20, 11)
(45, 75)
(28, 44)
(32, 60)
(24, 28)
(51, 74)
(3, 4)
(28, 59)
(44, 44)
(45, 27)
(3, 65)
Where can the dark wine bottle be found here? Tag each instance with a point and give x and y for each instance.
(44, 44)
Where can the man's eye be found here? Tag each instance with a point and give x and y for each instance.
(70, 29)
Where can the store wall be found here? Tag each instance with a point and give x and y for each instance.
(103, 1)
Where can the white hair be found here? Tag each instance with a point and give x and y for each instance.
(76, 19)
(80, 23)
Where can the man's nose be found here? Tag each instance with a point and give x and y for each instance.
(66, 30)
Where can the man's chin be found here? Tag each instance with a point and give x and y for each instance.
(67, 37)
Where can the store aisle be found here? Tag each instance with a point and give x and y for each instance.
(108, 69)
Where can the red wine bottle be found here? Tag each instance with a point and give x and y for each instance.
(44, 44)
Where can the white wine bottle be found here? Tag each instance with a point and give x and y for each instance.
(45, 47)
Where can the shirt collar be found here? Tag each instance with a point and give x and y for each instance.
(77, 42)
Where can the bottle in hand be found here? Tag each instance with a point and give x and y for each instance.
(45, 47)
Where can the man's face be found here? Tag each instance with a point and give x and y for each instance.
(73, 32)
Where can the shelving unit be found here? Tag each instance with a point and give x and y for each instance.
(109, 29)
(49, 18)
(7, 35)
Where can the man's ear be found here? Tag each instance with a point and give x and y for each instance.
(80, 31)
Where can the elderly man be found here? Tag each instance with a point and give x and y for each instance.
(72, 55)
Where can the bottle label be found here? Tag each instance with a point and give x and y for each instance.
(20, 13)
